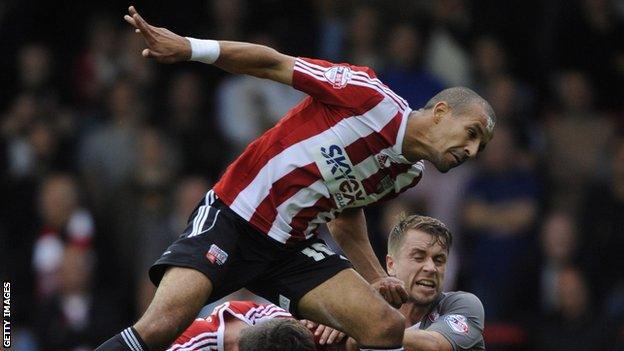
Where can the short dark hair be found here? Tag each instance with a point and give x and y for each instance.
(278, 334)
(462, 99)
(429, 225)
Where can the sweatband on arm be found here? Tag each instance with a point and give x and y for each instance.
(206, 51)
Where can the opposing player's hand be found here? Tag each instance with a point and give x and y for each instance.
(324, 334)
(162, 44)
(392, 289)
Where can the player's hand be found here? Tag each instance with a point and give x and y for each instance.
(324, 334)
(162, 44)
(351, 345)
(392, 289)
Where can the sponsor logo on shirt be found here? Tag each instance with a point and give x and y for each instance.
(338, 76)
(341, 181)
(457, 323)
(216, 255)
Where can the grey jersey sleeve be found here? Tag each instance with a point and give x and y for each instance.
(460, 321)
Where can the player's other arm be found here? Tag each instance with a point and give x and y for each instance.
(349, 231)
(235, 57)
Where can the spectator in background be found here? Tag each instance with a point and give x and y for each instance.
(577, 136)
(35, 74)
(203, 149)
(140, 209)
(363, 37)
(403, 72)
(573, 325)
(16, 123)
(500, 212)
(248, 106)
(603, 224)
(447, 57)
(107, 156)
(592, 26)
(133, 67)
(74, 317)
(229, 16)
(64, 224)
(533, 290)
(96, 68)
(489, 61)
(332, 28)
(514, 105)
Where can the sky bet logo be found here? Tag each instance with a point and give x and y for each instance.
(349, 189)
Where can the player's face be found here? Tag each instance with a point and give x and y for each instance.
(459, 138)
(420, 262)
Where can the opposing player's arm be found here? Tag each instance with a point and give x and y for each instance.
(349, 231)
(424, 340)
(235, 57)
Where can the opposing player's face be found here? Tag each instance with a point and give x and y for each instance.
(420, 262)
(459, 138)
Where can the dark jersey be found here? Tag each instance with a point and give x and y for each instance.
(459, 317)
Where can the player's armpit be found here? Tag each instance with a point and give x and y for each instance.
(424, 340)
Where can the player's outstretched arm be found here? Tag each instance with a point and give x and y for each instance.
(236, 57)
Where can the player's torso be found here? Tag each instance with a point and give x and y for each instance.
(319, 160)
(457, 323)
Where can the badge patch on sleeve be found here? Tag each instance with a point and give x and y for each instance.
(458, 323)
(338, 76)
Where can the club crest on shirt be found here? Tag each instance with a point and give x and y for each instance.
(338, 76)
(457, 323)
(433, 316)
(216, 255)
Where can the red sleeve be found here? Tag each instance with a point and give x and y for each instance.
(337, 84)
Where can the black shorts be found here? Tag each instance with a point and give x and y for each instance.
(233, 254)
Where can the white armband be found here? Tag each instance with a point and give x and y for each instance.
(206, 51)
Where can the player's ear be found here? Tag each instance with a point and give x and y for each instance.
(390, 266)
(440, 110)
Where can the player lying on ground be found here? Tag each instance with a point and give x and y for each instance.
(351, 143)
(245, 323)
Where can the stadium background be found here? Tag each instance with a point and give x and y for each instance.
(103, 154)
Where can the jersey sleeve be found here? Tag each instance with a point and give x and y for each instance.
(338, 84)
(461, 321)
(203, 331)
(255, 313)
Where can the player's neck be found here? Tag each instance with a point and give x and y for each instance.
(413, 312)
(416, 146)
(231, 334)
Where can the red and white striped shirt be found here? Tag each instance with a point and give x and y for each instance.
(339, 148)
(207, 333)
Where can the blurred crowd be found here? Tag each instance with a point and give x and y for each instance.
(104, 154)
